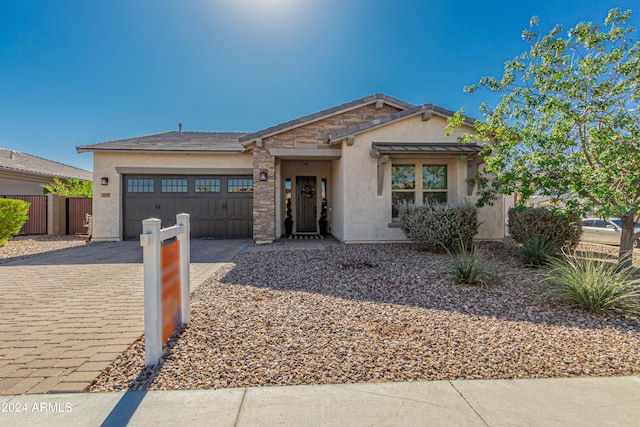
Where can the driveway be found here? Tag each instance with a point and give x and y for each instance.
(65, 316)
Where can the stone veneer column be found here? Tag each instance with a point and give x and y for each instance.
(264, 195)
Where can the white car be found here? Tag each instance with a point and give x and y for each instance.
(606, 232)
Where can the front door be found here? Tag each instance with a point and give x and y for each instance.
(306, 204)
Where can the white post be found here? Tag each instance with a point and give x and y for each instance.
(150, 241)
(185, 261)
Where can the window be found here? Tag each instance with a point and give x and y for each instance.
(140, 185)
(418, 183)
(240, 185)
(174, 185)
(208, 185)
(434, 183)
(403, 184)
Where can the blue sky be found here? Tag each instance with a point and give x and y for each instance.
(86, 71)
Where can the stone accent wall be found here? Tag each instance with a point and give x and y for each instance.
(264, 195)
(312, 135)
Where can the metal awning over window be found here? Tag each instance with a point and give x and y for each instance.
(454, 148)
(383, 151)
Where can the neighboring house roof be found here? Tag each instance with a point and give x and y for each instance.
(427, 111)
(301, 121)
(218, 142)
(17, 162)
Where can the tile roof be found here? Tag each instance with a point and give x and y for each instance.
(173, 141)
(325, 113)
(15, 161)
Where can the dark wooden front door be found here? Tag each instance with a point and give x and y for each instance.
(306, 204)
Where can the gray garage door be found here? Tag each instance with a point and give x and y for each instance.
(220, 206)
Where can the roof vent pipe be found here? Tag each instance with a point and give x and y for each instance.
(180, 128)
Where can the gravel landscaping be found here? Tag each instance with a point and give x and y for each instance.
(24, 246)
(375, 312)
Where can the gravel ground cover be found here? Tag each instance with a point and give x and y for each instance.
(24, 246)
(375, 312)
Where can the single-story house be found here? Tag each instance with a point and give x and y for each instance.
(23, 174)
(348, 164)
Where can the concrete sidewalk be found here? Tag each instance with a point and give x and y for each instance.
(538, 402)
(65, 316)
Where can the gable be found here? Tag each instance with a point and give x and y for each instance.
(332, 115)
(316, 134)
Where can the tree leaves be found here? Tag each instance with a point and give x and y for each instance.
(568, 120)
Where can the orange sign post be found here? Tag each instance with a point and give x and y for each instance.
(166, 283)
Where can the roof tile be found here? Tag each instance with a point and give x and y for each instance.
(16, 161)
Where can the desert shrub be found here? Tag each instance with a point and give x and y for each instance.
(536, 250)
(594, 286)
(13, 215)
(469, 267)
(439, 226)
(542, 233)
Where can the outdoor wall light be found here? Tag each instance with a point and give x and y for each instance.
(263, 175)
(104, 180)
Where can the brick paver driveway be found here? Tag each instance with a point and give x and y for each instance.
(65, 316)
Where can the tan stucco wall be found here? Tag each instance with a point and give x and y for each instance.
(107, 199)
(13, 187)
(366, 216)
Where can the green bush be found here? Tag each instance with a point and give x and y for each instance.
(542, 233)
(13, 215)
(594, 286)
(437, 226)
(469, 267)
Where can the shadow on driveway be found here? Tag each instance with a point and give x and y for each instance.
(130, 252)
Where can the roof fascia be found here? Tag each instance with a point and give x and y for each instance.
(85, 149)
(25, 175)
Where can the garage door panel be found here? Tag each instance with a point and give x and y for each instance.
(239, 208)
(214, 213)
(238, 227)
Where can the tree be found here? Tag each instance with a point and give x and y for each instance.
(70, 188)
(567, 123)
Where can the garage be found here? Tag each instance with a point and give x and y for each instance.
(221, 207)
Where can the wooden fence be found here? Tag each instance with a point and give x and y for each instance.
(37, 222)
(75, 211)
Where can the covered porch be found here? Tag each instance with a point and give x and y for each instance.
(303, 191)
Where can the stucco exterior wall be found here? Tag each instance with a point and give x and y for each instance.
(16, 187)
(367, 216)
(107, 199)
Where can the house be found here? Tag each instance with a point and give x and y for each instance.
(24, 174)
(348, 163)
